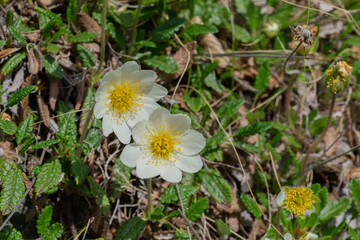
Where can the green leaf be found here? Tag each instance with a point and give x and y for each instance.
(60, 33)
(125, 19)
(194, 103)
(164, 63)
(229, 111)
(334, 208)
(44, 220)
(122, 174)
(87, 58)
(67, 127)
(80, 171)
(54, 232)
(71, 10)
(89, 101)
(100, 195)
(186, 192)
(195, 30)
(117, 34)
(12, 190)
(14, 30)
(47, 20)
(93, 136)
(52, 48)
(12, 63)
(45, 144)
(48, 178)
(181, 234)
(216, 185)
(24, 129)
(130, 229)
(355, 235)
(240, 33)
(2, 43)
(19, 95)
(251, 205)
(322, 193)
(29, 140)
(83, 37)
(10, 233)
(166, 29)
(254, 128)
(52, 67)
(149, 44)
(263, 77)
(222, 227)
(196, 209)
(318, 125)
(355, 192)
(9, 127)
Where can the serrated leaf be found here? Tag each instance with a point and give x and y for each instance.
(12, 63)
(89, 101)
(186, 192)
(93, 136)
(254, 128)
(52, 67)
(87, 58)
(355, 192)
(216, 185)
(47, 20)
(122, 174)
(9, 127)
(83, 37)
(52, 48)
(59, 33)
(251, 205)
(222, 227)
(130, 229)
(334, 208)
(67, 126)
(164, 63)
(117, 34)
(149, 44)
(10, 233)
(196, 209)
(29, 140)
(322, 193)
(24, 129)
(49, 177)
(53, 232)
(45, 144)
(5, 167)
(12, 190)
(14, 30)
(166, 29)
(195, 30)
(181, 234)
(263, 77)
(101, 197)
(229, 111)
(44, 220)
(80, 171)
(19, 95)
(71, 10)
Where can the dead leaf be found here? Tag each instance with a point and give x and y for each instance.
(32, 36)
(54, 93)
(181, 57)
(44, 110)
(24, 103)
(6, 151)
(7, 52)
(89, 24)
(257, 229)
(80, 95)
(18, 80)
(34, 65)
(329, 139)
(40, 58)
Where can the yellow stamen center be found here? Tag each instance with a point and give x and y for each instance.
(125, 99)
(161, 145)
(298, 199)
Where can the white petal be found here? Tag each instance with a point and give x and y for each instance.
(157, 92)
(99, 110)
(122, 131)
(107, 124)
(138, 131)
(141, 115)
(179, 123)
(127, 69)
(143, 76)
(147, 170)
(130, 155)
(150, 106)
(190, 164)
(102, 91)
(112, 76)
(158, 117)
(171, 173)
(192, 142)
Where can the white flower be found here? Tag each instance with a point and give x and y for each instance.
(163, 146)
(126, 96)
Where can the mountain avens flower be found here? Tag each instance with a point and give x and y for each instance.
(125, 97)
(296, 200)
(337, 77)
(164, 146)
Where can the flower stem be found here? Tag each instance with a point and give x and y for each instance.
(134, 30)
(103, 38)
(148, 186)
(311, 148)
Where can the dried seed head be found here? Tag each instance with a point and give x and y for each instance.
(304, 34)
(337, 77)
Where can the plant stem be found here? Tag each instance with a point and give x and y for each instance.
(311, 148)
(148, 186)
(103, 38)
(83, 134)
(134, 30)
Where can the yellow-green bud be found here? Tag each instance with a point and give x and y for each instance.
(271, 29)
(337, 77)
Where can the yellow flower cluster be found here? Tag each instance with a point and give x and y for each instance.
(299, 199)
(337, 78)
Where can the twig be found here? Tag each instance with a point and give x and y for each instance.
(18, 204)
(182, 212)
(328, 122)
(288, 58)
(103, 38)
(149, 203)
(275, 172)
(134, 30)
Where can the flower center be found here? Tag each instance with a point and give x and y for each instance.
(125, 98)
(161, 144)
(298, 200)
